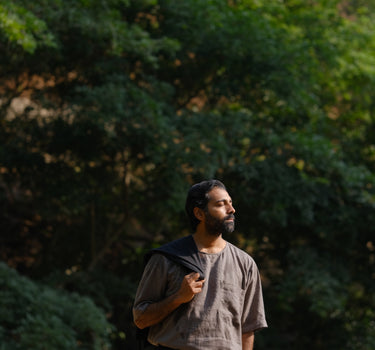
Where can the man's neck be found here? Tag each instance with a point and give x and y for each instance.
(207, 243)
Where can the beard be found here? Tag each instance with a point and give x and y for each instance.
(216, 227)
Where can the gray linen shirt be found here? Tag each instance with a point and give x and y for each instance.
(230, 303)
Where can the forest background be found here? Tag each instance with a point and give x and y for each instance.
(111, 109)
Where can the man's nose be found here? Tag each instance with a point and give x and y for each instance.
(231, 209)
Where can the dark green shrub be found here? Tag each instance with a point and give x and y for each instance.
(37, 317)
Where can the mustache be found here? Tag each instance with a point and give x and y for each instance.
(230, 217)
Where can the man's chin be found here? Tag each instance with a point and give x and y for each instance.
(216, 228)
(229, 228)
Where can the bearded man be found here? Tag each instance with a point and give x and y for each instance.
(201, 291)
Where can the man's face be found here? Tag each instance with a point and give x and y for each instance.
(219, 215)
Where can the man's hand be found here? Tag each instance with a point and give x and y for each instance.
(157, 311)
(190, 286)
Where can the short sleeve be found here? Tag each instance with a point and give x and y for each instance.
(253, 315)
(152, 285)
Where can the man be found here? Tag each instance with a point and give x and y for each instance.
(184, 311)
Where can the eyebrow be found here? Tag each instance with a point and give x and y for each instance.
(224, 200)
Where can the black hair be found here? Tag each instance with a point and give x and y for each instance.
(198, 196)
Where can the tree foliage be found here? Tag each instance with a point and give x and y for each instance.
(111, 109)
(37, 317)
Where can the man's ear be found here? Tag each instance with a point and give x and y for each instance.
(199, 213)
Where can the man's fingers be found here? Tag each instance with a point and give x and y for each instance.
(194, 282)
(193, 276)
(190, 286)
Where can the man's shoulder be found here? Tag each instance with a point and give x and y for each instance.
(240, 253)
(182, 251)
(178, 247)
(174, 247)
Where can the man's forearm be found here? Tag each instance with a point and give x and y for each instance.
(248, 341)
(156, 312)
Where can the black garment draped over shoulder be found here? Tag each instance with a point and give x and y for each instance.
(183, 252)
